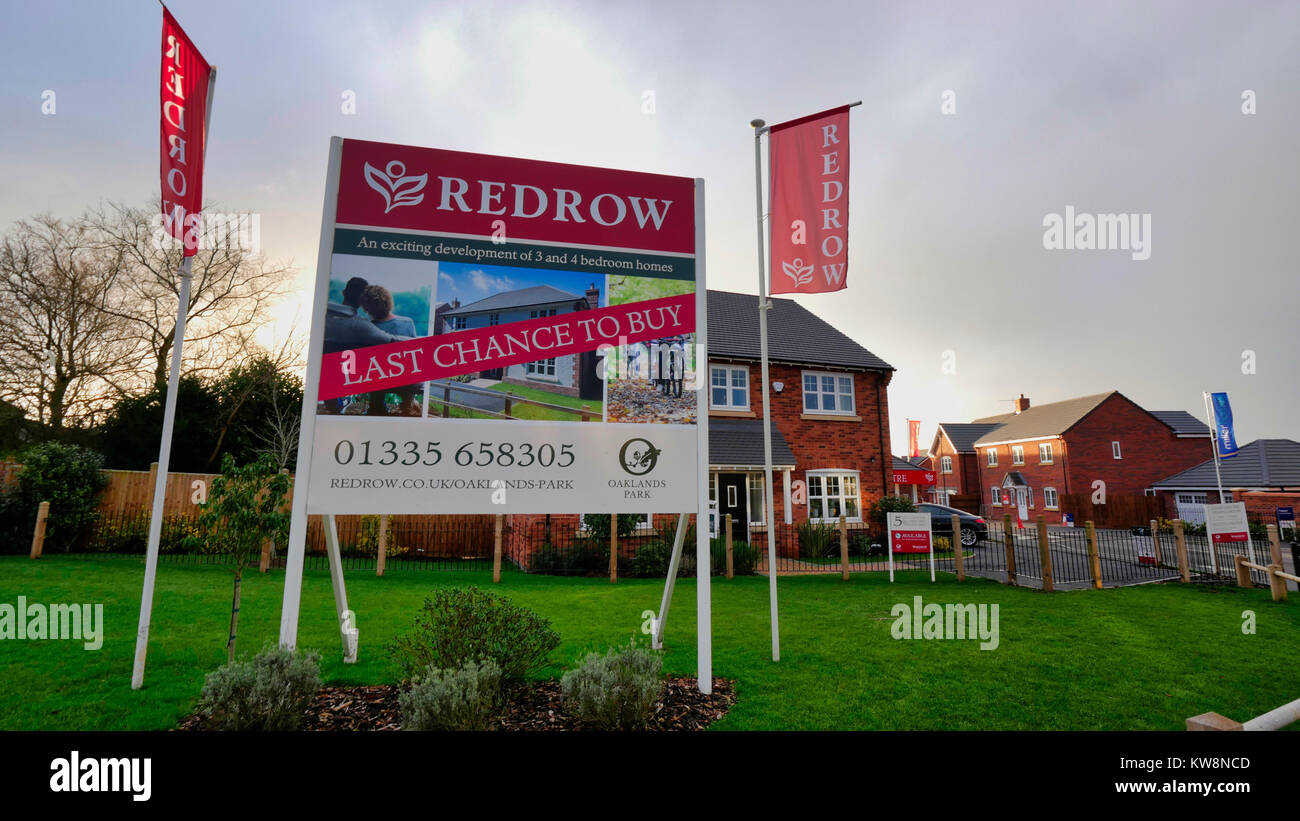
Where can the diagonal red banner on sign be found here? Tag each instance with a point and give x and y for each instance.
(809, 252)
(383, 367)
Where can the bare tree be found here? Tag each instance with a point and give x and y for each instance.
(64, 347)
(232, 290)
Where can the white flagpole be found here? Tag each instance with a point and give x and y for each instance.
(165, 446)
(760, 128)
(1214, 443)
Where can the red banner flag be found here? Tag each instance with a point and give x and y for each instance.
(184, 132)
(913, 434)
(809, 156)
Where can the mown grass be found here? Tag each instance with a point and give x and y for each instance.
(1132, 658)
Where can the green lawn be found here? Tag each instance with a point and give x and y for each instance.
(1132, 658)
(534, 412)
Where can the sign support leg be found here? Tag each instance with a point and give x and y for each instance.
(347, 619)
(657, 640)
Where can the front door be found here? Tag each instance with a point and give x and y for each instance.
(733, 499)
(1022, 503)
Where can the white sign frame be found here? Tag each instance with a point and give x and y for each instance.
(296, 551)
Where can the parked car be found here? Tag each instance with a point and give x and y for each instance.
(973, 528)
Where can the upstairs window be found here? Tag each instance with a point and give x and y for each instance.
(1114, 450)
(827, 393)
(945, 464)
(1018, 454)
(729, 387)
(1045, 453)
(993, 458)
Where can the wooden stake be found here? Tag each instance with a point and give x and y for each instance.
(381, 556)
(1045, 554)
(496, 549)
(844, 547)
(266, 557)
(1180, 542)
(731, 567)
(1276, 583)
(1010, 539)
(1094, 555)
(1275, 548)
(38, 534)
(1243, 572)
(613, 548)
(1155, 542)
(957, 554)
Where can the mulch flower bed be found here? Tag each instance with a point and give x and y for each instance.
(533, 706)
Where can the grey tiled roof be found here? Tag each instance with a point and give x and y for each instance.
(963, 434)
(740, 442)
(1051, 419)
(794, 334)
(536, 295)
(1262, 463)
(1183, 423)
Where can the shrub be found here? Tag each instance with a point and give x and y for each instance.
(468, 698)
(615, 691)
(817, 540)
(269, 693)
(942, 544)
(651, 559)
(67, 476)
(889, 504)
(584, 557)
(460, 625)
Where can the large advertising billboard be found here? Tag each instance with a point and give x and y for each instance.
(497, 335)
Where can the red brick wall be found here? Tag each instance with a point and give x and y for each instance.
(826, 442)
(1150, 450)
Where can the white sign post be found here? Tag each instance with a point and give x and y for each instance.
(910, 533)
(1227, 524)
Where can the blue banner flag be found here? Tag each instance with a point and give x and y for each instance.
(1223, 433)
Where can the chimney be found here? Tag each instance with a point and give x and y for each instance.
(1022, 404)
(593, 296)
(455, 302)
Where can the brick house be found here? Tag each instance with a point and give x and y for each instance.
(952, 455)
(830, 414)
(1026, 459)
(1264, 474)
(572, 375)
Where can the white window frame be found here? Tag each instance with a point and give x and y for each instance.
(995, 496)
(824, 475)
(1017, 454)
(542, 368)
(730, 387)
(458, 323)
(759, 516)
(945, 464)
(1115, 451)
(1052, 503)
(1044, 449)
(818, 391)
(992, 458)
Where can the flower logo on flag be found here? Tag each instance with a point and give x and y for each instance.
(396, 187)
(800, 273)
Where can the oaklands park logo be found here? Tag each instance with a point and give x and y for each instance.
(396, 187)
(638, 456)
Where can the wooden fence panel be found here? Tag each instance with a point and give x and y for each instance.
(1119, 511)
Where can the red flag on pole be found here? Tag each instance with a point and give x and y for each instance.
(809, 175)
(913, 434)
(184, 132)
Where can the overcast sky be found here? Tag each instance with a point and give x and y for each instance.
(1107, 107)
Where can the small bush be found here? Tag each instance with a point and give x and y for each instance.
(651, 559)
(585, 557)
(269, 693)
(468, 698)
(615, 691)
(817, 540)
(67, 476)
(942, 544)
(460, 625)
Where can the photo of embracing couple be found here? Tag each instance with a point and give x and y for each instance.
(362, 318)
